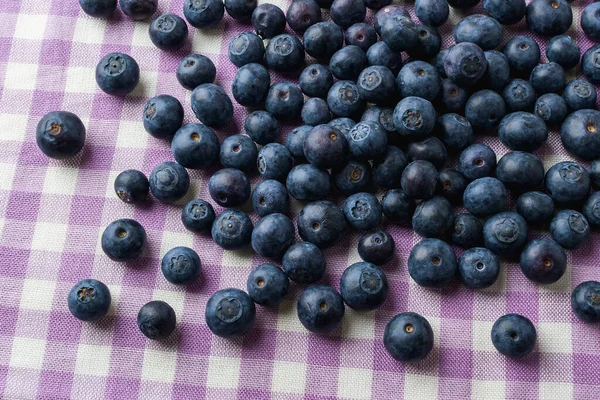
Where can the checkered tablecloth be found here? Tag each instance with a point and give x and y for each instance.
(52, 215)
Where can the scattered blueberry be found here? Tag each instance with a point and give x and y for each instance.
(198, 216)
(344, 100)
(230, 313)
(477, 161)
(433, 217)
(507, 12)
(163, 116)
(564, 51)
(98, 8)
(353, 177)
(522, 53)
(212, 105)
(591, 210)
(452, 97)
(232, 230)
(585, 301)
(552, 108)
(429, 43)
(117, 74)
(478, 268)
(270, 196)
(267, 285)
(203, 13)
(181, 265)
(520, 171)
(376, 84)
(452, 184)
(497, 74)
(567, 182)
(536, 207)
(348, 62)
(397, 206)
(304, 263)
(381, 54)
(316, 80)
(590, 64)
(195, 70)
(549, 17)
(420, 79)
(325, 147)
(321, 223)
(364, 286)
(131, 186)
(414, 117)
(246, 48)
(323, 39)
(419, 179)
(432, 263)
(168, 32)
(548, 78)
(123, 240)
(522, 131)
(60, 135)
(268, 20)
(376, 247)
(229, 187)
(284, 101)
(590, 21)
(543, 261)
(295, 141)
(430, 149)
(284, 53)
(383, 116)
(301, 14)
(362, 211)
(307, 182)
(580, 94)
(505, 233)
(238, 151)
(262, 127)
(432, 12)
(367, 141)
(399, 33)
(570, 229)
(360, 34)
(485, 109)
(251, 85)
(484, 31)
(455, 131)
(408, 337)
(274, 162)
(345, 13)
(579, 134)
(273, 235)
(138, 10)
(195, 146)
(156, 320)
(320, 308)
(169, 182)
(519, 95)
(343, 124)
(387, 13)
(89, 300)
(315, 111)
(514, 335)
(465, 63)
(468, 231)
(240, 10)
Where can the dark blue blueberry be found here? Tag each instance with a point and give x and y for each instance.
(301, 14)
(267, 285)
(433, 217)
(60, 135)
(514, 335)
(268, 20)
(284, 53)
(590, 21)
(304, 263)
(585, 301)
(321, 222)
(346, 13)
(323, 39)
(240, 10)
(549, 17)
(232, 230)
(123, 240)
(194, 70)
(367, 141)
(98, 8)
(362, 211)
(507, 12)
(295, 141)
(382, 116)
(468, 231)
(452, 97)
(485, 109)
(519, 95)
(580, 94)
(388, 169)
(430, 149)
(552, 108)
(570, 229)
(344, 100)
(181, 265)
(523, 54)
(89, 300)
(463, 4)
(320, 308)
(169, 182)
(438, 61)
(198, 216)
(261, 127)
(497, 74)
(484, 31)
(548, 78)
(465, 63)
(163, 116)
(195, 146)
(387, 13)
(520, 171)
(591, 210)
(595, 174)
(377, 4)
(536, 207)
(420, 79)
(229, 187)
(432, 12)
(419, 179)
(428, 44)
(579, 134)
(505, 234)
(246, 48)
(156, 320)
(348, 62)
(380, 54)
(203, 13)
(307, 182)
(270, 197)
(326, 147)
(343, 125)
(590, 64)
(452, 184)
(274, 162)
(230, 313)
(168, 32)
(408, 337)
(353, 177)
(567, 182)
(315, 112)
(399, 33)
(564, 51)
(432, 263)
(478, 268)
(117, 74)
(477, 161)
(397, 206)
(250, 85)
(376, 247)
(316, 80)
(362, 35)
(522, 131)
(132, 186)
(543, 261)
(272, 235)
(284, 101)
(364, 286)
(414, 117)
(138, 10)
(376, 84)
(455, 130)
(212, 105)
(238, 151)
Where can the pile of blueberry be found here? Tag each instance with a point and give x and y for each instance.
(370, 121)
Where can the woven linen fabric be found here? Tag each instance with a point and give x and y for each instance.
(52, 215)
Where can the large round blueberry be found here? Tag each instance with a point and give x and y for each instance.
(246, 48)
(485, 109)
(408, 337)
(452, 184)
(520, 171)
(301, 14)
(362, 211)
(376, 247)
(229, 187)
(123, 240)
(230, 313)
(432, 263)
(240, 10)
(195, 146)
(430, 149)
(432, 12)
(320, 308)
(535, 207)
(580, 94)
(455, 130)
(198, 216)
(549, 17)
(138, 10)
(321, 222)
(238, 151)
(203, 13)
(467, 231)
(543, 261)
(585, 301)
(232, 230)
(429, 43)
(497, 74)
(156, 320)
(267, 285)
(348, 62)
(270, 196)
(414, 116)
(399, 33)
(382, 116)
(304, 263)
(262, 127)
(505, 233)
(345, 13)
(325, 147)
(168, 32)
(251, 85)
(551, 108)
(353, 177)
(272, 235)
(274, 162)
(381, 54)
(477, 161)
(506, 12)
(567, 182)
(367, 141)
(514, 335)
(591, 210)
(195, 70)
(397, 206)
(519, 95)
(89, 300)
(564, 51)
(344, 100)
(323, 39)
(419, 179)
(465, 63)
(284, 101)
(590, 21)
(294, 141)
(132, 186)
(570, 229)
(579, 134)
(522, 53)
(307, 182)
(268, 20)
(376, 84)
(163, 116)
(452, 97)
(315, 112)
(316, 80)
(548, 78)
(60, 135)
(212, 105)
(364, 286)
(169, 182)
(360, 34)
(522, 131)
(117, 74)
(480, 29)
(478, 268)
(284, 53)
(420, 79)
(98, 8)
(388, 169)
(387, 13)
(181, 265)
(433, 217)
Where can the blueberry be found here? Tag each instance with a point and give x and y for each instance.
(463, 4)
(169, 182)
(320, 308)
(452, 97)
(364, 286)
(477, 161)
(497, 74)
(315, 112)
(564, 51)
(548, 78)
(270, 197)
(321, 223)
(240, 10)
(522, 53)
(465, 63)
(344, 100)
(590, 64)
(362, 211)
(552, 108)
(432, 263)
(414, 117)
(353, 177)
(229, 187)
(376, 247)
(304, 263)
(348, 62)
(367, 141)
(268, 20)
(284, 53)
(478, 268)
(307, 182)
(535, 207)
(89, 300)
(117, 74)
(485, 109)
(595, 174)
(132, 186)
(408, 337)
(433, 217)
(388, 169)
(383, 117)
(203, 13)
(295, 141)
(376, 84)
(261, 127)
(238, 151)
(377, 4)
(212, 105)
(348, 12)
(419, 179)
(163, 116)
(123, 240)
(432, 12)
(580, 94)
(274, 162)
(198, 216)
(98, 8)
(522, 131)
(455, 130)
(520, 171)
(362, 35)
(549, 17)
(468, 231)
(325, 147)
(343, 125)
(387, 13)
(543, 261)
(567, 182)
(428, 44)
(232, 230)
(323, 39)
(399, 33)
(452, 184)
(251, 85)
(267, 285)
(60, 135)
(230, 313)
(156, 320)
(591, 210)
(397, 206)
(246, 48)
(195, 146)
(519, 95)
(578, 134)
(138, 10)
(484, 31)
(301, 14)
(430, 149)
(316, 80)
(570, 229)
(194, 70)
(181, 265)
(514, 335)
(585, 301)
(381, 54)
(273, 235)
(284, 101)
(590, 21)
(168, 32)
(419, 79)
(506, 12)
(438, 61)
(505, 233)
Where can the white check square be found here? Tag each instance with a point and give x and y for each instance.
(27, 353)
(30, 26)
(37, 294)
(21, 76)
(223, 372)
(92, 360)
(49, 237)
